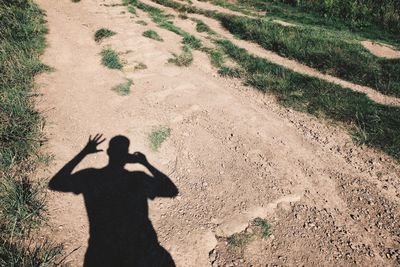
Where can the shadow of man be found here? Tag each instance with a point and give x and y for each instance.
(121, 234)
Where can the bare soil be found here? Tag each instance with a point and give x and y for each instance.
(381, 50)
(234, 153)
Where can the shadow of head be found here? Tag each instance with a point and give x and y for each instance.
(118, 151)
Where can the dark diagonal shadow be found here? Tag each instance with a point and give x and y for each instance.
(121, 233)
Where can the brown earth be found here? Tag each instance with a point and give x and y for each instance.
(381, 50)
(234, 153)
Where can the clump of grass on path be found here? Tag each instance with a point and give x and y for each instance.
(202, 27)
(239, 240)
(264, 226)
(371, 123)
(140, 66)
(111, 59)
(184, 59)
(163, 21)
(123, 88)
(141, 22)
(158, 136)
(152, 35)
(102, 34)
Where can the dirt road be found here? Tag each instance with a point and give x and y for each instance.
(234, 154)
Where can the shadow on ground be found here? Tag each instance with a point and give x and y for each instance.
(121, 233)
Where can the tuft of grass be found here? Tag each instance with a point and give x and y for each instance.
(152, 35)
(141, 22)
(39, 253)
(239, 239)
(140, 66)
(102, 34)
(378, 123)
(110, 59)
(158, 136)
(163, 21)
(264, 226)
(22, 204)
(191, 41)
(184, 59)
(230, 72)
(123, 88)
(202, 27)
(183, 16)
(216, 56)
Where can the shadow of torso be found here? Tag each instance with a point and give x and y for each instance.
(121, 233)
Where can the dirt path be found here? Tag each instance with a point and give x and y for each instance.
(234, 153)
(277, 59)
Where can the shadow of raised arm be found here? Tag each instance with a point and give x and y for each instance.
(63, 180)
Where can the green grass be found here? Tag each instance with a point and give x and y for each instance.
(320, 49)
(162, 20)
(158, 136)
(373, 124)
(184, 59)
(299, 15)
(152, 35)
(328, 51)
(22, 32)
(239, 239)
(123, 88)
(140, 66)
(22, 204)
(102, 34)
(264, 226)
(110, 59)
(383, 15)
(141, 22)
(39, 253)
(202, 27)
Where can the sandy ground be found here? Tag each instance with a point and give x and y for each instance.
(234, 153)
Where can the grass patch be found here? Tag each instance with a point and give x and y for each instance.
(184, 59)
(141, 22)
(110, 59)
(152, 35)
(102, 34)
(379, 124)
(158, 136)
(22, 204)
(230, 72)
(22, 31)
(163, 21)
(264, 226)
(331, 52)
(202, 27)
(320, 49)
(42, 253)
(239, 240)
(140, 66)
(183, 16)
(123, 88)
